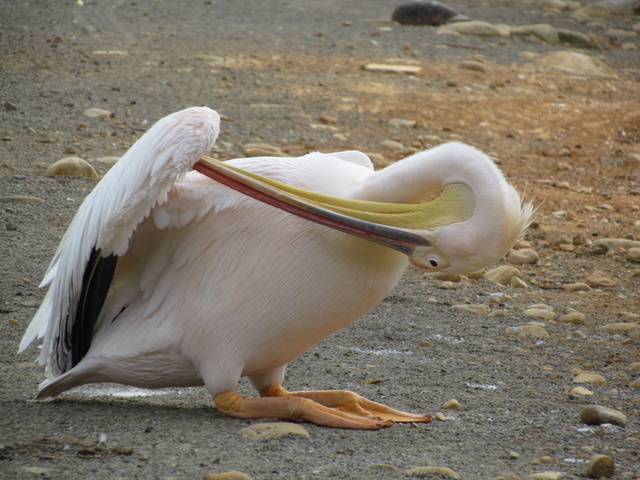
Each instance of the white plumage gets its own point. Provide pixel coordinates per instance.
(182, 281)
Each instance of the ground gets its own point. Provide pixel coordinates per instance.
(291, 74)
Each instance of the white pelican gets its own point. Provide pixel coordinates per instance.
(167, 278)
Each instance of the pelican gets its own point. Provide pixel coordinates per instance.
(169, 277)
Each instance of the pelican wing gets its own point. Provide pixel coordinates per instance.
(82, 268)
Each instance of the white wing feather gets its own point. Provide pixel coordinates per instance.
(106, 220)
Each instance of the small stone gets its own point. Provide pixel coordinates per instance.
(97, 113)
(635, 383)
(452, 404)
(432, 472)
(503, 274)
(517, 283)
(441, 417)
(576, 287)
(633, 254)
(574, 318)
(600, 279)
(393, 145)
(262, 150)
(9, 106)
(273, 429)
(546, 476)
(381, 67)
(472, 65)
(533, 331)
(541, 313)
(419, 12)
(590, 378)
(574, 37)
(543, 31)
(476, 27)
(575, 63)
(230, 475)
(634, 367)
(402, 123)
(557, 237)
(580, 391)
(600, 466)
(73, 167)
(523, 256)
(477, 309)
(327, 119)
(597, 415)
(623, 327)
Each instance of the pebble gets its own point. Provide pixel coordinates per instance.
(382, 67)
(590, 378)
(230, 475)
(575, 38)
(543, 31)
(517, 283)
(73, 167)
(472, 65)
(600, 466)
(10, 106)
(503, 274)
(523, 256)
(575, 63)
(615, 243)
(533, 331)
(273, 429)
(432, 472)
(600, 279)
(634, 254)
(97, 113)
(634, 367)
(580, 391)
(546, 475)
(440, 417)
(541, 313)
(623, 327)
(574, 318)
(393, 145)
(419, 12)
(597, 415)
(635, 383)
(262, 150)
(576, 287)
(452, 404)
(477, 309)
(557, 237)
(476, 27)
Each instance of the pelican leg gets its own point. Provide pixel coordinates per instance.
(294, 408)
(348, 402)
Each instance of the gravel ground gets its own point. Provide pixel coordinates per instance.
(291, 74)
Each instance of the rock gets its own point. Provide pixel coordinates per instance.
(97, 113)
(576, 287)
(476, 27)
(523, 256)
(541, 313)
(580, 391)
(558, 237)
(419, 12)
(472, 65)
(393, 145)
(440, 417)
(273, 429)
(503, 274)
(634, 254)
(262, 150)
(597, 415)
(575, 63)
(600, 279)
(623, 327)
(634, 367)
(575, 38)
(600, 466)
(452, 404)
(402, 123)
(230, 475)
(517, 283)
(615, 243)
(381, 67)
(432, 472)
(533, 331)
(546, 476)
(574, 318)
(543, 31)
(635, 383)
(477, 309)
(590, 378)
(73, 167)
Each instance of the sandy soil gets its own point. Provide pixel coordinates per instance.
(291, 74)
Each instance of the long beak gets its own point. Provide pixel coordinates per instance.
(403, 227)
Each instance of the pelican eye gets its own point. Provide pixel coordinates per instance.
(433, 263)
(429, 258)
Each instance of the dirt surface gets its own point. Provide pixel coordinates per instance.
(290, 73)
